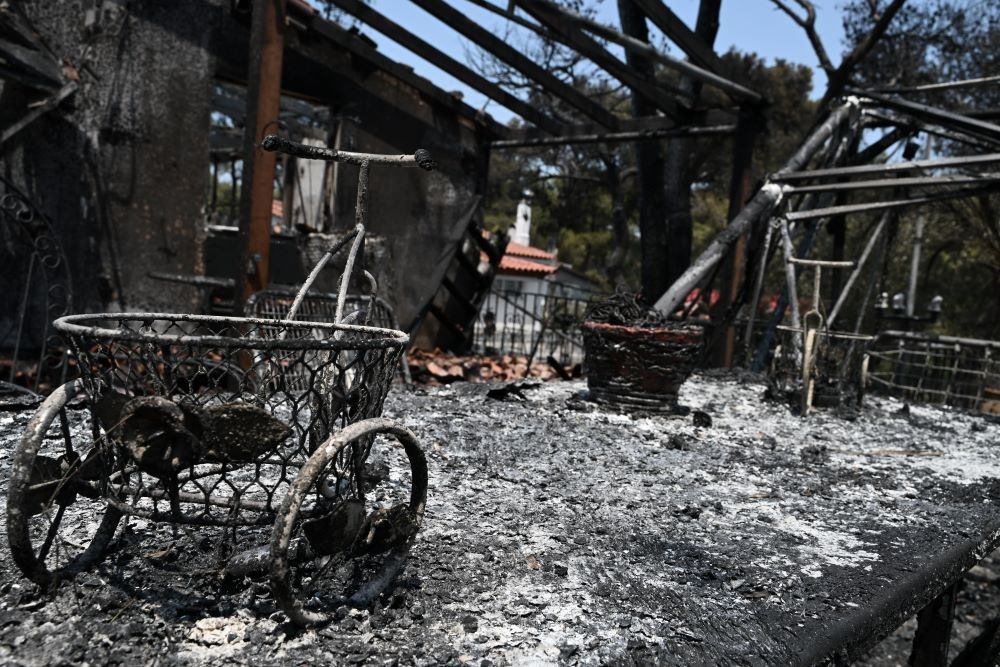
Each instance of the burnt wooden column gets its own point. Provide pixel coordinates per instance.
(740, 188)
(263, 97)
(650, 168)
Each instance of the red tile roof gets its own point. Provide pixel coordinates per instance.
(510, 265)
(519, 250)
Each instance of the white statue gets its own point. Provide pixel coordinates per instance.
(522, 223)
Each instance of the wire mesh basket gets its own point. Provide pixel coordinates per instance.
(207, 418)
(263, 428)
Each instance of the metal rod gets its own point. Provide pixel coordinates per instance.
(883, 205)
(948, 118)
(912, 165)
(789, 252)
(611, 137)
(823, 263)
(917, 181)
(842, 299)
(757, 286)
(420, 158)
(947, 85)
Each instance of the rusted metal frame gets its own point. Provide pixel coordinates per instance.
(497, 47)
(912, 165)
(438, 58)
(616, 137)
(673, 27)
(825, 212)
(883, 183)
(865, 254)
(734, 90)
(572, 36)
(935, 114)
(362, 49)
(760, 205)
(263, 104)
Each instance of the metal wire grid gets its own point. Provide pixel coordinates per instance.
(949, 371)
(838, 366)
(322, 307)
(313, 377)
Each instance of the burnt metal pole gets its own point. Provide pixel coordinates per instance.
(263, 97)
(759, 206)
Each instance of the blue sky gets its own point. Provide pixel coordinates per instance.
(751, 25)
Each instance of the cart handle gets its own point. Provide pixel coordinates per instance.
(421, 157)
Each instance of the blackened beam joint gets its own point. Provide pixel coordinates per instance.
(759, 206)
(421, 157)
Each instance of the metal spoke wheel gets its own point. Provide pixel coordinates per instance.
(345, 526)
(58, 521)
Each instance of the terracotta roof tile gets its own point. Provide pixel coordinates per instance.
(519, 250)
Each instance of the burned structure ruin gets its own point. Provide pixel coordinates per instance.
(208, 455)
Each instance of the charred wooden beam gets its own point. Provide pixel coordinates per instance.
(655, 123)
(497, 47)
(570, 34)
(616, 137)
(673, 27)
(267, 43)
(438, 58)
(362, 49)
(735, 90)
(760, 205)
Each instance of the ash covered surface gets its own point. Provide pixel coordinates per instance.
(559, 533)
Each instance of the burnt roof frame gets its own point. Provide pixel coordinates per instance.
(503, 51)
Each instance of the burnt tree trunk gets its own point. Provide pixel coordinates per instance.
(650, 165)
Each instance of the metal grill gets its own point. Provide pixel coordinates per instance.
(961, 372)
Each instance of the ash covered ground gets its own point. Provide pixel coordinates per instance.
(560, 533)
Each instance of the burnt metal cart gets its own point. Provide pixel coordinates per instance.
(259, 435)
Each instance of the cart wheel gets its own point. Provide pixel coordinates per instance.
(57, 522)
(332, 527)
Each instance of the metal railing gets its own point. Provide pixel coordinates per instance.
(961, 372)
(534, 325)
